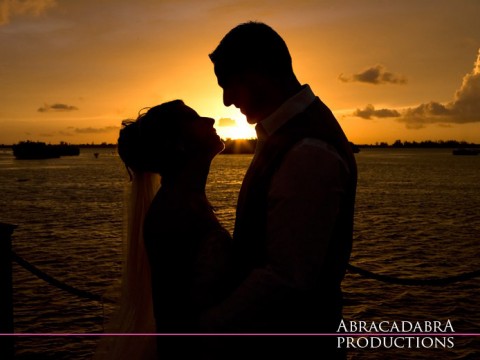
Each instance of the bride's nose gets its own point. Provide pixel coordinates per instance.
(209, 120)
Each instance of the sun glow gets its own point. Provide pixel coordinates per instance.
(238, 129)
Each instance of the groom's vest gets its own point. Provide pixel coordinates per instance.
(250, 246)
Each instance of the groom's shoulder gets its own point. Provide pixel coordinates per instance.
(312, 155)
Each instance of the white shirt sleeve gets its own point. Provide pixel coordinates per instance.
(304, 201)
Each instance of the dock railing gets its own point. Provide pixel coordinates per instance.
(8, 256)
(6, 290)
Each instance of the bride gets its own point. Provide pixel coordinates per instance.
(177, 252)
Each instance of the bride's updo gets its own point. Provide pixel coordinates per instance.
(153, 142)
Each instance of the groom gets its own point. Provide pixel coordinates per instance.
(294, 223)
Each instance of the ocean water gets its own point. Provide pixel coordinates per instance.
(417, 216)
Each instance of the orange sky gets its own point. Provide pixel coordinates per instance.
(72, 70)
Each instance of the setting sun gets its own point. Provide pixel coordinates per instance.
(408, 91)
(235, 129)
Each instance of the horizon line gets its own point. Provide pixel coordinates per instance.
(376, 143)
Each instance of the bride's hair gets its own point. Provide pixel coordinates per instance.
(152, 143)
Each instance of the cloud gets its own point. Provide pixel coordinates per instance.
(71, 131)
(464, 108)
(13, 8)
(90, 130)
(370, 112)
(57, 107)
(226, 122)
(375, 75)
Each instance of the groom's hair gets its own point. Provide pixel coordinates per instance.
(252, 46)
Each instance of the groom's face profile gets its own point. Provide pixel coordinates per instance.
(244, 91)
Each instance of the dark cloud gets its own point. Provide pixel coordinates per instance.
(90, 130)
(464, 108)
(12, 8)
(226, 122)
(370, 112)
(430, 109)
(375, 75)
(57, 107)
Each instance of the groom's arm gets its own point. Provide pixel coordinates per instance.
(303, 202)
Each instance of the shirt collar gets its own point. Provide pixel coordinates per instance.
(293, 106)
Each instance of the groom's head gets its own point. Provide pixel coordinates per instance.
(252, 63)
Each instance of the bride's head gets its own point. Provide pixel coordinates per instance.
(167, 137)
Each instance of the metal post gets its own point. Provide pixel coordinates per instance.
(6, 290)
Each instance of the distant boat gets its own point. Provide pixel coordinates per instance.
(67, 150)
(34, 150)
(464, 151)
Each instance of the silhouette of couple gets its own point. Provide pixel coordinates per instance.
(281, 271)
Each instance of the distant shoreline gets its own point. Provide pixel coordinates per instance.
(247, 146)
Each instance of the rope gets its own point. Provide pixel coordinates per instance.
(402, 281)
(351, 268)
(57, 283)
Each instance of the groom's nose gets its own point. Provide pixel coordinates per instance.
(227, 97)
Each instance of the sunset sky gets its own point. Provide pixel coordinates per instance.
(73, 70)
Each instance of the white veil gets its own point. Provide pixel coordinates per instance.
(135, 309)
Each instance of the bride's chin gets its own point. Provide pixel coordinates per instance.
(217, 143)
(217, 148)
(221, 147)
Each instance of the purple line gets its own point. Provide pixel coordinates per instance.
(241, 334)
